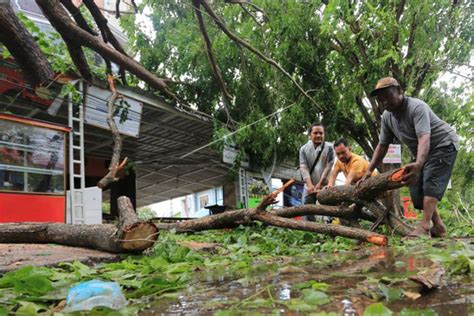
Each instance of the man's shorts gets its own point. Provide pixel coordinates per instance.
(434, 176)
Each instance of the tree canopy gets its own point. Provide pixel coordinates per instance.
(270, 68)
(335, 50)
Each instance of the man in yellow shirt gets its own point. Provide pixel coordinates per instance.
(353, 166)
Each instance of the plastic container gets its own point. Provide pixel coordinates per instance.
(87, 295)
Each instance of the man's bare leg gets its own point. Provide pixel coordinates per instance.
(438, 229)
(429, 209)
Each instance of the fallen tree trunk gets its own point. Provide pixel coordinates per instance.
(131, 235)
(368, 190)
(245, 216)
(365, 194)
(134, 235)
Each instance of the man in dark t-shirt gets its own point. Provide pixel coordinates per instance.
(431, 141)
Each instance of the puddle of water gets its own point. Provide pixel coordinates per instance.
(346, 274)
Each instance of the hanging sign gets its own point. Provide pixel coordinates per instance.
(394, 154)
(127, 118)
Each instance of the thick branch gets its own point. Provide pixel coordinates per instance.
(370, 123)
(367, 190)
(79, 59)
(23, 47)
(107, 34)
(69, 30)
(77, 16)
(331, 230)
(132, 235)
(212, 61)
(268, 60)
(115, 165)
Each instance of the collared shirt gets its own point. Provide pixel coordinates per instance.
(414, 120)
(308, 154)
(356, 164)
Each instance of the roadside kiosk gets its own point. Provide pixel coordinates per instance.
(32, 170)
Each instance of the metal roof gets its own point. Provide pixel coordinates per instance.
(166, 134)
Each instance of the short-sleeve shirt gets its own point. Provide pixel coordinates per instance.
(356, 164)
(414, 120)
(308, 154)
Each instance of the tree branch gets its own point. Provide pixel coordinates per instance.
(268, 60)
(370, 123)
(77, 16)
(212, 61)
(107, 34)
(115, 165)
(55, 13)
(79, 59)
(19, 42)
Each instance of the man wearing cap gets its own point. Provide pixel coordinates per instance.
(432, 141)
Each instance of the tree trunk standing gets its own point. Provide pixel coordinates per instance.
(23, 47)
(125, 186)
(132, 235)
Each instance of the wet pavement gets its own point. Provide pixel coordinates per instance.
(15, 256)
(355, 280)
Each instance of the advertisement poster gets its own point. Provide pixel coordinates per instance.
(394, 154)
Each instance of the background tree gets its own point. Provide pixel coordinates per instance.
(335, 50)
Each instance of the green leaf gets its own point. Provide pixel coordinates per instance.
(460, 265)
(315, 285)
(34, 285)
(3, 311)
(314, 297)
(299, 305)
(377, 309)
(417, 312)
(390, 294)
(28, 308)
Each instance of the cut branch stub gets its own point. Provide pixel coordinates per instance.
(132, 234)
(135, 234)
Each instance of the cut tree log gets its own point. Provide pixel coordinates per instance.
(365, 194)
(246, 216)
(368, 190)
(132, 235)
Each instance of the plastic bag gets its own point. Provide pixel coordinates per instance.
(90, 294)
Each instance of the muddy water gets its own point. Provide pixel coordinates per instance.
(354, 279)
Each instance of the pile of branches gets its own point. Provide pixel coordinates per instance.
(135, 235)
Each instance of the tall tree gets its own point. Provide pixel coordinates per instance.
(334, 50)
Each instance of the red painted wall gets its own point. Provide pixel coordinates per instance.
(32, 208)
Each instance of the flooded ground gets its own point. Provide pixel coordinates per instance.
(344, 283)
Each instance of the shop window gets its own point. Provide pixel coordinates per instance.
(31, 158)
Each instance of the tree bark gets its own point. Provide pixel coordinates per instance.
(132, 235)
(367, 190)
(60, 20)
(245, 216)
(115, 165)
(22, 46)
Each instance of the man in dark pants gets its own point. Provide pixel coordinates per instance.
(432, 141)
(316, 160)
